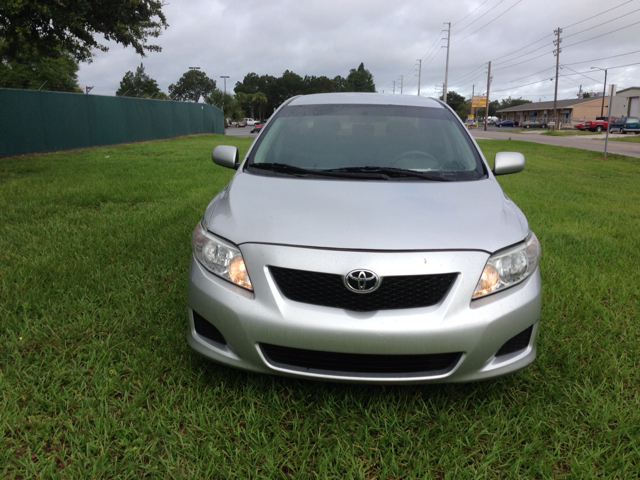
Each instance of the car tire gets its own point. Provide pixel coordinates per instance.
(599, 128)
(526, 126)
(623, 131)
(499, 126)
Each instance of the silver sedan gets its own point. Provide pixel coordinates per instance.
(364, 238)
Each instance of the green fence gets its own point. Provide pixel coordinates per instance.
(33, 121)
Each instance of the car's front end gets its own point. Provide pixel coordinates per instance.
(370, 273)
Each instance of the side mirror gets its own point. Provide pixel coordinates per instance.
(226, 156)
(508, 162)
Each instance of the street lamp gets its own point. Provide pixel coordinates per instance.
(604, 90)
(225, 82)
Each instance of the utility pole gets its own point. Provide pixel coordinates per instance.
(606, 140)
(401, 83)
(446, 70)
(419, 75)
(604, 90)
(486, 108)
(556, 52)
(394, 87)
(88, 89)
(473, 94)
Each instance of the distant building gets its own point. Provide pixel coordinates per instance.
(572, 110)
(626, 101)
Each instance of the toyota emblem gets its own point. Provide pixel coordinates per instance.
(362, 281)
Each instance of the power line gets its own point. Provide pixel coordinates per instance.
(520, 63)
(603, 23)
(472, 72)
(485, 13)
(485, 1)
(565, 75)
(529, 76)
(593, 80)
(608, 33)
(597, 15)
(489, 22)
(524, 54)
(605, 58)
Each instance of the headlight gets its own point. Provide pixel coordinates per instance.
(509, 267)
(220, 257)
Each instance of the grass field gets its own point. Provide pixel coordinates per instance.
(565, 133)
(628, 138)
(97, 381)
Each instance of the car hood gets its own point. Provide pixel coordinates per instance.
(366, 215)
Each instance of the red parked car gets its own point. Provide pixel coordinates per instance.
(600, 124)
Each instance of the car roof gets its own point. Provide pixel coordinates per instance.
(359, 98)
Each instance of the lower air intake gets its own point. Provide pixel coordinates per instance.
(206, 329)
(359, 365)
(517, 343)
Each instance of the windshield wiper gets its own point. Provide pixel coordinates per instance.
(394, 172)
(304, 172)
(282, 168)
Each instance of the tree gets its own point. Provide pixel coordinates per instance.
(48, 26)
(191, 86)
(261, 99)
(360, 80)
(138, 84)
(340, 84)
(512, 102)
(493, 108)
(454, 100)
(226, 102)
(57, 72)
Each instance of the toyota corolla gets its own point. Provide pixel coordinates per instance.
(364, 238)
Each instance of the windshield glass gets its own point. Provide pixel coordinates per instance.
(385, 138)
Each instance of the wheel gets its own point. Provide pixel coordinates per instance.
(599, 128)
(499, 126)
(526, 126)
(411, 157)
(623, 131)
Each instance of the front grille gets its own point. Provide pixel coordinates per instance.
(519, 342)
(328, 290)
(354, 364)
(206, 329)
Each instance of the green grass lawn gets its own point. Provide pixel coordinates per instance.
(97, 380)
(633, 138)
(563, 133)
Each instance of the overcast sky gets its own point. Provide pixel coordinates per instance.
(329, 37)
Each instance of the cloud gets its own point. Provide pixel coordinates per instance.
(330, 37)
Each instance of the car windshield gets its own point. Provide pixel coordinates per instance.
(367, 141)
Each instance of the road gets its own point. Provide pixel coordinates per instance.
(585, 142)
(240, 132)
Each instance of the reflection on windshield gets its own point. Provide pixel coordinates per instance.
(330, 137)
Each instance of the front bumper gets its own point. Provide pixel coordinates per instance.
(246, 320)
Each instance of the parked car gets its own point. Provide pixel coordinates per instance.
(241, 123)
(598, 125)
(625, 124)
(250, 121)
(507, 123)
(579, 125)
(533, 124)
(364, 238)
(257, 127)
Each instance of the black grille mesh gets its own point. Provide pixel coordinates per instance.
(352, 363)
(517, 343)
(328, 290)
